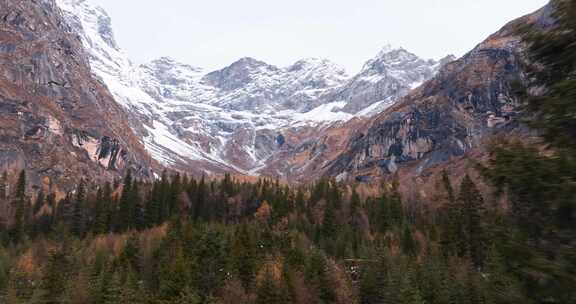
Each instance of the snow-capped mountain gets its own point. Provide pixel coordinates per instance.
(233, 119)
(384, 79)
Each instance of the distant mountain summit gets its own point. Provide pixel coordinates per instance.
(384, 79)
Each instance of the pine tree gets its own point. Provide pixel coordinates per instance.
(131, 292)
(409, 245)
(369, 290)
(175, 275)
(472, 202)
(99, 278)
(329, 221)
(354, 203)
(454, 237)
(228, 185)
(103, 220)
(39, 203)
(317, 276)
(55, 276)
(153, 208)
(174, 192)
(126, 208)
(199, 201)
(138, 213)
(502, 287)
(300, 201)
(447, 187)
(409, 292)
(244, 255)
(20, 207)
(79, 208)
(384, 214)
(113, 290)
(4, 186)
(130, 256)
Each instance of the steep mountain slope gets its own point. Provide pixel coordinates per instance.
(234, 119)
(56, 120)
(469, 101)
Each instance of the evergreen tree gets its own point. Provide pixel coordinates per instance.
(131, 292)
(354, 203)
(199, 201)
(244, 255)
(473, 205)
(329, 221)
(39, 203)
(4, 186)
(153, 208)
(317, 276)
(130, 255)
(453, 237)
(20, 207)
(113, 291)
(384, 216)
(409, 245)
(409, 292)
(174, 192)
(369, 289)
(174, 275)
(55, 277)
(79, 208)
(502, 287)
(127, 205)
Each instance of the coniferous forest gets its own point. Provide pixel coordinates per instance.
(180, 239)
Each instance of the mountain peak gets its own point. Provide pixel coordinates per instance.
(171, 63)
(93, 20)
(389, 48)
(249, 62)
(313, 63)
(390, 58)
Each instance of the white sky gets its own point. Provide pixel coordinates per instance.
(214, 33)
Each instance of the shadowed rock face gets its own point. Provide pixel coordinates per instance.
(468, 101)
(56, 120)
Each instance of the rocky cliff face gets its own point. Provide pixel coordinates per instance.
(56, 120)
(470, 100)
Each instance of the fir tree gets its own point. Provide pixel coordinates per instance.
(20, 207)
(409, 245)
(55, 277)
(245, 256)
(472, 202)
(78, 214)
(4, 186)
(126, 208)
(113, 291)
(131, 292)
(39, 203)
(329, 221)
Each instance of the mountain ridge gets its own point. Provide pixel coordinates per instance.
(229, 119)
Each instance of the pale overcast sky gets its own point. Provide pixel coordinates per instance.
(214, 33)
